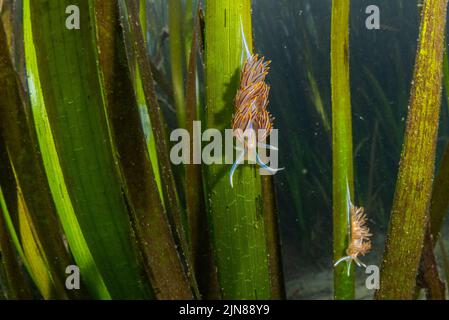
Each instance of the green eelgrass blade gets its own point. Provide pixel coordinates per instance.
(446, 77)
(74, 103)
(7, 19)
(177, 57)
(316, 99)
(37, 263)
(13, 209)
(16, 285)
(439, 203)
(135, 49)
(341, 144)
(199, 235)
(188, 27)
(143, 108)
(236, 214)
(27, 169)
(416, 171)
(162, 262)
(271, 216)
(428, 277)
(23, 235)
(145, 117)
(77, 243)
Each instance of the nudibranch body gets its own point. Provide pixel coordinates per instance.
(359, 236)
(252, 123)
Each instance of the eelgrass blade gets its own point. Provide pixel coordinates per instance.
(135, 47)
(235, 214)
(177, 57)
(316, 99)
(7, 19)
(271, 217)
(199, 235)
(439, 203)
(39, 214)
(14, 209)
(193, 177)
(143, 109)
(342, 156)
(12, 19)
(446, 77)
(16, 283)
(414, 184)
(162, 262)
(69, 221)
(188, 27)
(72, 93)
(21, 231)
(34, 253)
(428, 276)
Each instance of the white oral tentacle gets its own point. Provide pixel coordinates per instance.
(240, 158)
(346, 258)
(245, 44)
(267, 146)
(263, 165)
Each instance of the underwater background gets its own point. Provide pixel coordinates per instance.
(85, 171)
(380, 83)
(296, 36)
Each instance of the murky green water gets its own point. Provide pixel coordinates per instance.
(295, 35)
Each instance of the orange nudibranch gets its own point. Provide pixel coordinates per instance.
(359, 235)
(251, 100)
(252, 123)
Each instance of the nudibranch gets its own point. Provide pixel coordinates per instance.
(252, 123)
(359, 237)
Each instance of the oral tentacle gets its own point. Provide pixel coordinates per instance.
(346, 258)
(245, 44)
(263, 165)
(235, 165)
(267, 146)
(360, 263)
(349, 206)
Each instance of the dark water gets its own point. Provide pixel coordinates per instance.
(295, 35)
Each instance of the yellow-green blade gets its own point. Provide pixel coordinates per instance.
(74, 103)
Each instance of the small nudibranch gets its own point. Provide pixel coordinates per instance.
(252, 123)
(359, 238)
